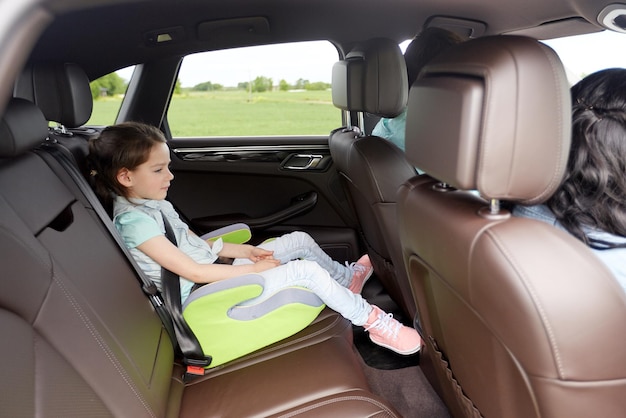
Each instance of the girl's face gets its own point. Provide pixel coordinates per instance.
(149, 180)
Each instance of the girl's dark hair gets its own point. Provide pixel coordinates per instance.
(424, 47)
(126, 145)
(593, 192)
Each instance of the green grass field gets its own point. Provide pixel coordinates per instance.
(238, 113)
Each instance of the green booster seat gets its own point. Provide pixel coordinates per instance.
(228, 323)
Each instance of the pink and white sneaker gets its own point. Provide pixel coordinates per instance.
(389, 333)
(361, 272)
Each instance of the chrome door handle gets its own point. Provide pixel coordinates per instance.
(303, 161)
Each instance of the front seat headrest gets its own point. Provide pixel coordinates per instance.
(61, 91)
(372, 78)
(494, 115)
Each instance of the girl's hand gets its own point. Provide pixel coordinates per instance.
(258, 254)
(265, 264)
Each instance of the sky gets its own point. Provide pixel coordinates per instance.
(581, 55)
(288, 62)
(585, 54)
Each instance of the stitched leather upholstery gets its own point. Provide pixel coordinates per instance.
(84, 339)
(372, 79)
(520, 318)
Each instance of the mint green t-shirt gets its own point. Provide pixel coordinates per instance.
(138, 220)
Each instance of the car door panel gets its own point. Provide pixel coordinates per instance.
(274, 184)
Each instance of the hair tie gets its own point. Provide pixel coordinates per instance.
(597, 112)
(585, 105)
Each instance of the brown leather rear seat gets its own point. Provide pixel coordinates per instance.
(82, 339)
(62, 93)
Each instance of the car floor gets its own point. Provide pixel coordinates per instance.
(395, 377)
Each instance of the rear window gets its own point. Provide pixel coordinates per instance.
(107, 93)
(256, 91)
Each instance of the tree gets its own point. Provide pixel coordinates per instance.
(301, 84)
(318, 85)
(108, 85)
(283, 85)
(178, 88)
(207, 86)
(261, 84)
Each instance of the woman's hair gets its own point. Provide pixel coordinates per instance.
(424, 47)
(126, 145)
(593, 192)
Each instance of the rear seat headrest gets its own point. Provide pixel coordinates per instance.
(61, 91)
(22, 128)
(372, 78)
(492, 114)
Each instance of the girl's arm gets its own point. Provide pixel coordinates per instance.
(231, 250)
(167, 255)
(248, 251)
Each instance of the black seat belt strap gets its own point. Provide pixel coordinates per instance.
(193, 356)
(58, 152)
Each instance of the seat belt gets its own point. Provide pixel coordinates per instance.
(183, 339)
(193, 356)
(59, 153)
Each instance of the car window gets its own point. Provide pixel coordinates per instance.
(581, 55)
(107, 93)
(256, 91)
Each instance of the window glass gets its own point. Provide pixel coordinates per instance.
(256, 91)
(585, 54)
(107, 93)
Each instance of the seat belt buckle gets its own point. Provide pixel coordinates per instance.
(195, 370)
(196, 366)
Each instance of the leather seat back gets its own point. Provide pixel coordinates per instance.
(520, 318)
(81, 335)
(373, 79)
(83, 339)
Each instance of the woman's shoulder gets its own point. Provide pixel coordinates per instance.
(538, 212)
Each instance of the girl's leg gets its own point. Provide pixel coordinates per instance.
(300, 245)
(310, 275)
(384, 330)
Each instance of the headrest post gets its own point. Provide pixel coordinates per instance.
(494, 212)
(61, 129)
(443, 187)
(360, 121)
(349, 123)
(494, 206)
(350, 126)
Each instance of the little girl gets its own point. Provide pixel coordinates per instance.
(130, 169)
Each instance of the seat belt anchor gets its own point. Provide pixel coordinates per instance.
(197, 366)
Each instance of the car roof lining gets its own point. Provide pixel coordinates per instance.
(560, 28)
(112, 34)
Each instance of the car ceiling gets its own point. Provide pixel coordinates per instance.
(105, 35)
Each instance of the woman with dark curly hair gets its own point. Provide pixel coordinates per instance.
(590, 203)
